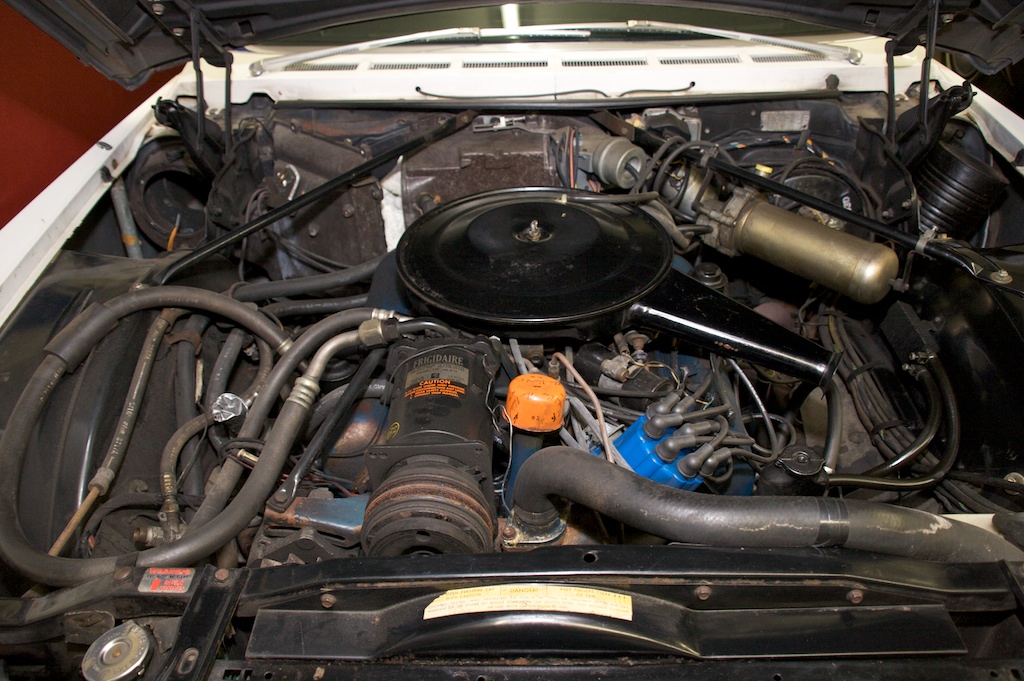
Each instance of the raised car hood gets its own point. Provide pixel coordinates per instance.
(127, 39)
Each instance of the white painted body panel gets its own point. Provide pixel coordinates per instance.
(404, 75)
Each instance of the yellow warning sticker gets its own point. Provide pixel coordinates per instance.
(541, 597)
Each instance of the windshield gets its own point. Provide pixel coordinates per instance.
(541, 14)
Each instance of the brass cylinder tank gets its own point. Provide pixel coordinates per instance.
(845, 263)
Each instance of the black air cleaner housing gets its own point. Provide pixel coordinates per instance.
(532, 258)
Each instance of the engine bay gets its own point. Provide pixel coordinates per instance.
(382, 333)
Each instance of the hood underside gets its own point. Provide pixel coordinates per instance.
(127, 41)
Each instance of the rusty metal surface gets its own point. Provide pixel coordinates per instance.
(341, 518)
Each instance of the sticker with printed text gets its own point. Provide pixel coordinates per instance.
(166, 580)
(539, 597)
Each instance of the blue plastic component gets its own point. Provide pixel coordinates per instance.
(681, 264)
(638, 450)
(524, 445)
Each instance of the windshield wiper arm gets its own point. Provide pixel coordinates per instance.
(828, 51)
(573, 31)
(280, 63)
(660, 28)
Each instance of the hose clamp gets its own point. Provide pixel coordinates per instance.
(926, 236)
(833, 522)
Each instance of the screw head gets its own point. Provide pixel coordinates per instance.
(158, 8)
(508, 532)
(855, 596)
(1001, 277)
(328, 601)
(222, 575)
(122, 573)
(702, 593)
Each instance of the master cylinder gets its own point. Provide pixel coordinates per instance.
(431, 477)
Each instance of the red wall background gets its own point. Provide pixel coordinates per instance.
(52, 109)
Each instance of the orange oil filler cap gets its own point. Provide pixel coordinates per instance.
(535, 403)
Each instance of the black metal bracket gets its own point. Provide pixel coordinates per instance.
(203, 625)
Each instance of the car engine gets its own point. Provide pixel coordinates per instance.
(384, 333)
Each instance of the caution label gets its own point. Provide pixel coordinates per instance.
(166, 580)
(539, 597)
(435, 386)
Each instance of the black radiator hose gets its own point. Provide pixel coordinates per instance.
(62, 354)
(713, 520)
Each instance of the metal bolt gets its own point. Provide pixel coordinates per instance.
(702, 593)
(122, 573)
(1015, 477)
(508, 532)
(348, 210)
(855, 596)
(947, 18)
(313, 230)
(158, 8)
(1001, 277)
(222, 575)
(188, 661)
(178, 31)
(328, 601)
(533, 232)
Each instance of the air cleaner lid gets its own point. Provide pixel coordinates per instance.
(533, 256)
